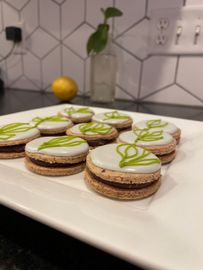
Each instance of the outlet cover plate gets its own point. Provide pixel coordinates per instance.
(172, 31)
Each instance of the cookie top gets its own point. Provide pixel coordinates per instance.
(92, 128)
(113, 117)
(58, 146)
(157, 124)
(126, 158)
(76, 113)
(142, 137)
(17, 131)
(51, 122)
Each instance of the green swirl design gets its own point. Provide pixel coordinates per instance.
(130, 156)
(64, 141)
(114, 115)
(97, 128)
(156, 124)
(55, 118)
(10, 130)
(147, 136)
(72, 110)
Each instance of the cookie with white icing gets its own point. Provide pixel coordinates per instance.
(95, 134)
(77, 115)
(120, 121)
(56, 156)
(158, 124)
(160, 143)
(52, 125)
(123, 171)
(13, 138)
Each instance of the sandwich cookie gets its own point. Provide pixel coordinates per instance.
(159, 124)
(123, 171)
(95, 134)
(13, 138)
(160, 143)
(56, 156)
(77, 115)
(120, 121)
(52, 125)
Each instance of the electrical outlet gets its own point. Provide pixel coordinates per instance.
(20, 47)
(176, 31)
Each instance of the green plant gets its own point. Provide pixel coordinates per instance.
(98, 39)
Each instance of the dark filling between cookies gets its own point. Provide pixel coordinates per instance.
(54, 165)
(99, 142)
(44, 134)
(119, 185)
(12, 148)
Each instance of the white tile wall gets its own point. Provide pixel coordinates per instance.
(56, 32)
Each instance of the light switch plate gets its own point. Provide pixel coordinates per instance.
(176, 31)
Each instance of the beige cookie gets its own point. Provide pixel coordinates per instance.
(13, 138)
(162, 144)
(104, 175)
(77, 114)
(56, 156)
(118, 120)
(95, 134)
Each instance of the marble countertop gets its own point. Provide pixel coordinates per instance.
(27, 244)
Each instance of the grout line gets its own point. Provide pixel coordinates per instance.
(157, 91)
(177, 68)
(140, 80)
(67, 47)
(126, 92)
(75, 29)
(129, 28)
(60, 35)
(187, 91)
(146, 7)
(126, 50)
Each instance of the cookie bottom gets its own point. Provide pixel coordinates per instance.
(10, 155)
(49, 171)
(120, 193)
(167, 158)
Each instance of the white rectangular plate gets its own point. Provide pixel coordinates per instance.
(161, 232)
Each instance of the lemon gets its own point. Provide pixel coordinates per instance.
(64, 88)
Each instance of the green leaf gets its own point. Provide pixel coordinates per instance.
(98, 40)
(111, 12)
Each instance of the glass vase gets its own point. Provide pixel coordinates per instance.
(103, 75)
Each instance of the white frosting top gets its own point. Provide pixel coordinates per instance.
(49, 124)
(58, 150)
(19, 135)
(107, 157)
(103, 118)
(76, 129)
(77, 114)
(169, 128)
(130, 137)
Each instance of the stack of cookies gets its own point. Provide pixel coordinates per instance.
(121, 161)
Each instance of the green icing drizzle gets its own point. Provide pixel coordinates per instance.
(156, 124)
(114, 115)
(147, 136)
(130, 156)
(55, 118)
(97, 128)
(64, 141)
(10, 130)
(72, 110)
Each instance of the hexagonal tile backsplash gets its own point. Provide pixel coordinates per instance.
(55, 35)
